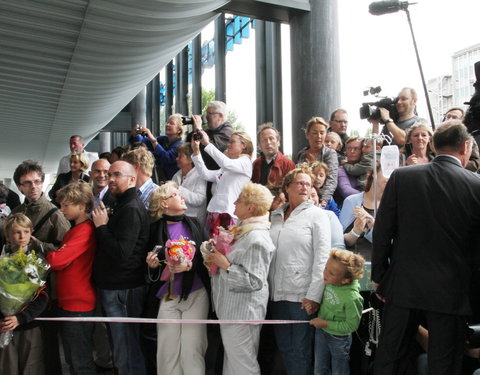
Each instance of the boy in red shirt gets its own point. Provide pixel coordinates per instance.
(72, 264)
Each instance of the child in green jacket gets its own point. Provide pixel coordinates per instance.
(340, 312)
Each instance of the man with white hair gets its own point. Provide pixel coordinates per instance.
(219, 129)
(77, 144)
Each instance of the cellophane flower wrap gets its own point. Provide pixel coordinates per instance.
(180, 251)
(223, 243)
(21, 275)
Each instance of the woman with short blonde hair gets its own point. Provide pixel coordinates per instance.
(184, 295)
(239, 286)
(79, 163)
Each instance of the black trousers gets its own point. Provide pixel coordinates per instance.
(446, 341)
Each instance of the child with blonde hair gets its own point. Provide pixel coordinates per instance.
(340, 312)
(24, 354)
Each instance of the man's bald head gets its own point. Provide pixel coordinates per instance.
(121, 177)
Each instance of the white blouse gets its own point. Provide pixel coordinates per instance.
(230, 178)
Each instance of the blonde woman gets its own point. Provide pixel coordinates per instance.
(79, 164)
(235, 171)
(316, 132)
(164, 147)
(240, 287)
(418, 147)
(180, 347)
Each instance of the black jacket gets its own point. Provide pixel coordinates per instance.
(121, 245)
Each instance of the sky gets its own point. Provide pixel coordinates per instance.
(374, 51)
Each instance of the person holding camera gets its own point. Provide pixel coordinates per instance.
(164, 147)
(218, 130)
(234, 172)
(405, 106)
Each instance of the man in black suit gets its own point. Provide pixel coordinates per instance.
(424, 252)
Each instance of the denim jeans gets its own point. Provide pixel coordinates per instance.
(295, 341)
(77, 338)
(332, 353)
(127, 353)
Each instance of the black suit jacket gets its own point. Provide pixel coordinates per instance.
(426, 237)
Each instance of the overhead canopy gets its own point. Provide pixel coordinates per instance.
(68, 67)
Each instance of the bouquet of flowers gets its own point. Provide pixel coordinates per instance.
(21, 275)
(178, 252)
(223, 243)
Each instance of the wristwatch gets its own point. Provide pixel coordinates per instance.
(389, 120)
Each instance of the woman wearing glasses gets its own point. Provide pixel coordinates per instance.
(235, 171)
(180, 347)
(301, 233)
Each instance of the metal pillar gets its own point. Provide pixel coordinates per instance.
(155, 105)
(169, 90)
(197, 75)
(268, 60)
(181, 102)
(314, 65)
(220, 54)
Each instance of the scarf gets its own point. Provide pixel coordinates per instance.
(246, 225)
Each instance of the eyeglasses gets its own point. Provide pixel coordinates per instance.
(31, 183)
(172, 195)
(233, 141)
(341, 121)
(117, 175)
(354, 148)
(212, 113)
(301, 183)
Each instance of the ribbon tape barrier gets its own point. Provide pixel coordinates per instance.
(178, 321)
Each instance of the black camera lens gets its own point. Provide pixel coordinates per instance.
(187, 120)
(196, 136)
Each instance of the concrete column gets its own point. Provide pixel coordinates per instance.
(314, 65)
(105, 142)
(138, 108)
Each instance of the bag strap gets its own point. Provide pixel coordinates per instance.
(44, 219)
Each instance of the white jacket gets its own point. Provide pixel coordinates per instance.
(194, 190)
(303, 245)
(230, 178)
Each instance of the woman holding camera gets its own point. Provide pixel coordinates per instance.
(164, 147)
(180, 347)
(235, 171)
(357, 215)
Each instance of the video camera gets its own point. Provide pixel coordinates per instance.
(370, 110)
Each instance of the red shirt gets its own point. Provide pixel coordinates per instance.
(72, 264)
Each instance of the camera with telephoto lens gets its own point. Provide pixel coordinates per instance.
(188, 120)
(371, 111)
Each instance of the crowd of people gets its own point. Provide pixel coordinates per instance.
(219, 235)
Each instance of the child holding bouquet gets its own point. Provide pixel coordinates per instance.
(72, 264)
(340, 312)
(24, 354)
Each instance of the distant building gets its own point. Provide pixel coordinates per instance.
(440, 92)
(463, 73)
(453, 90)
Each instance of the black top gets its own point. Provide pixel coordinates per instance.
(121, 245)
